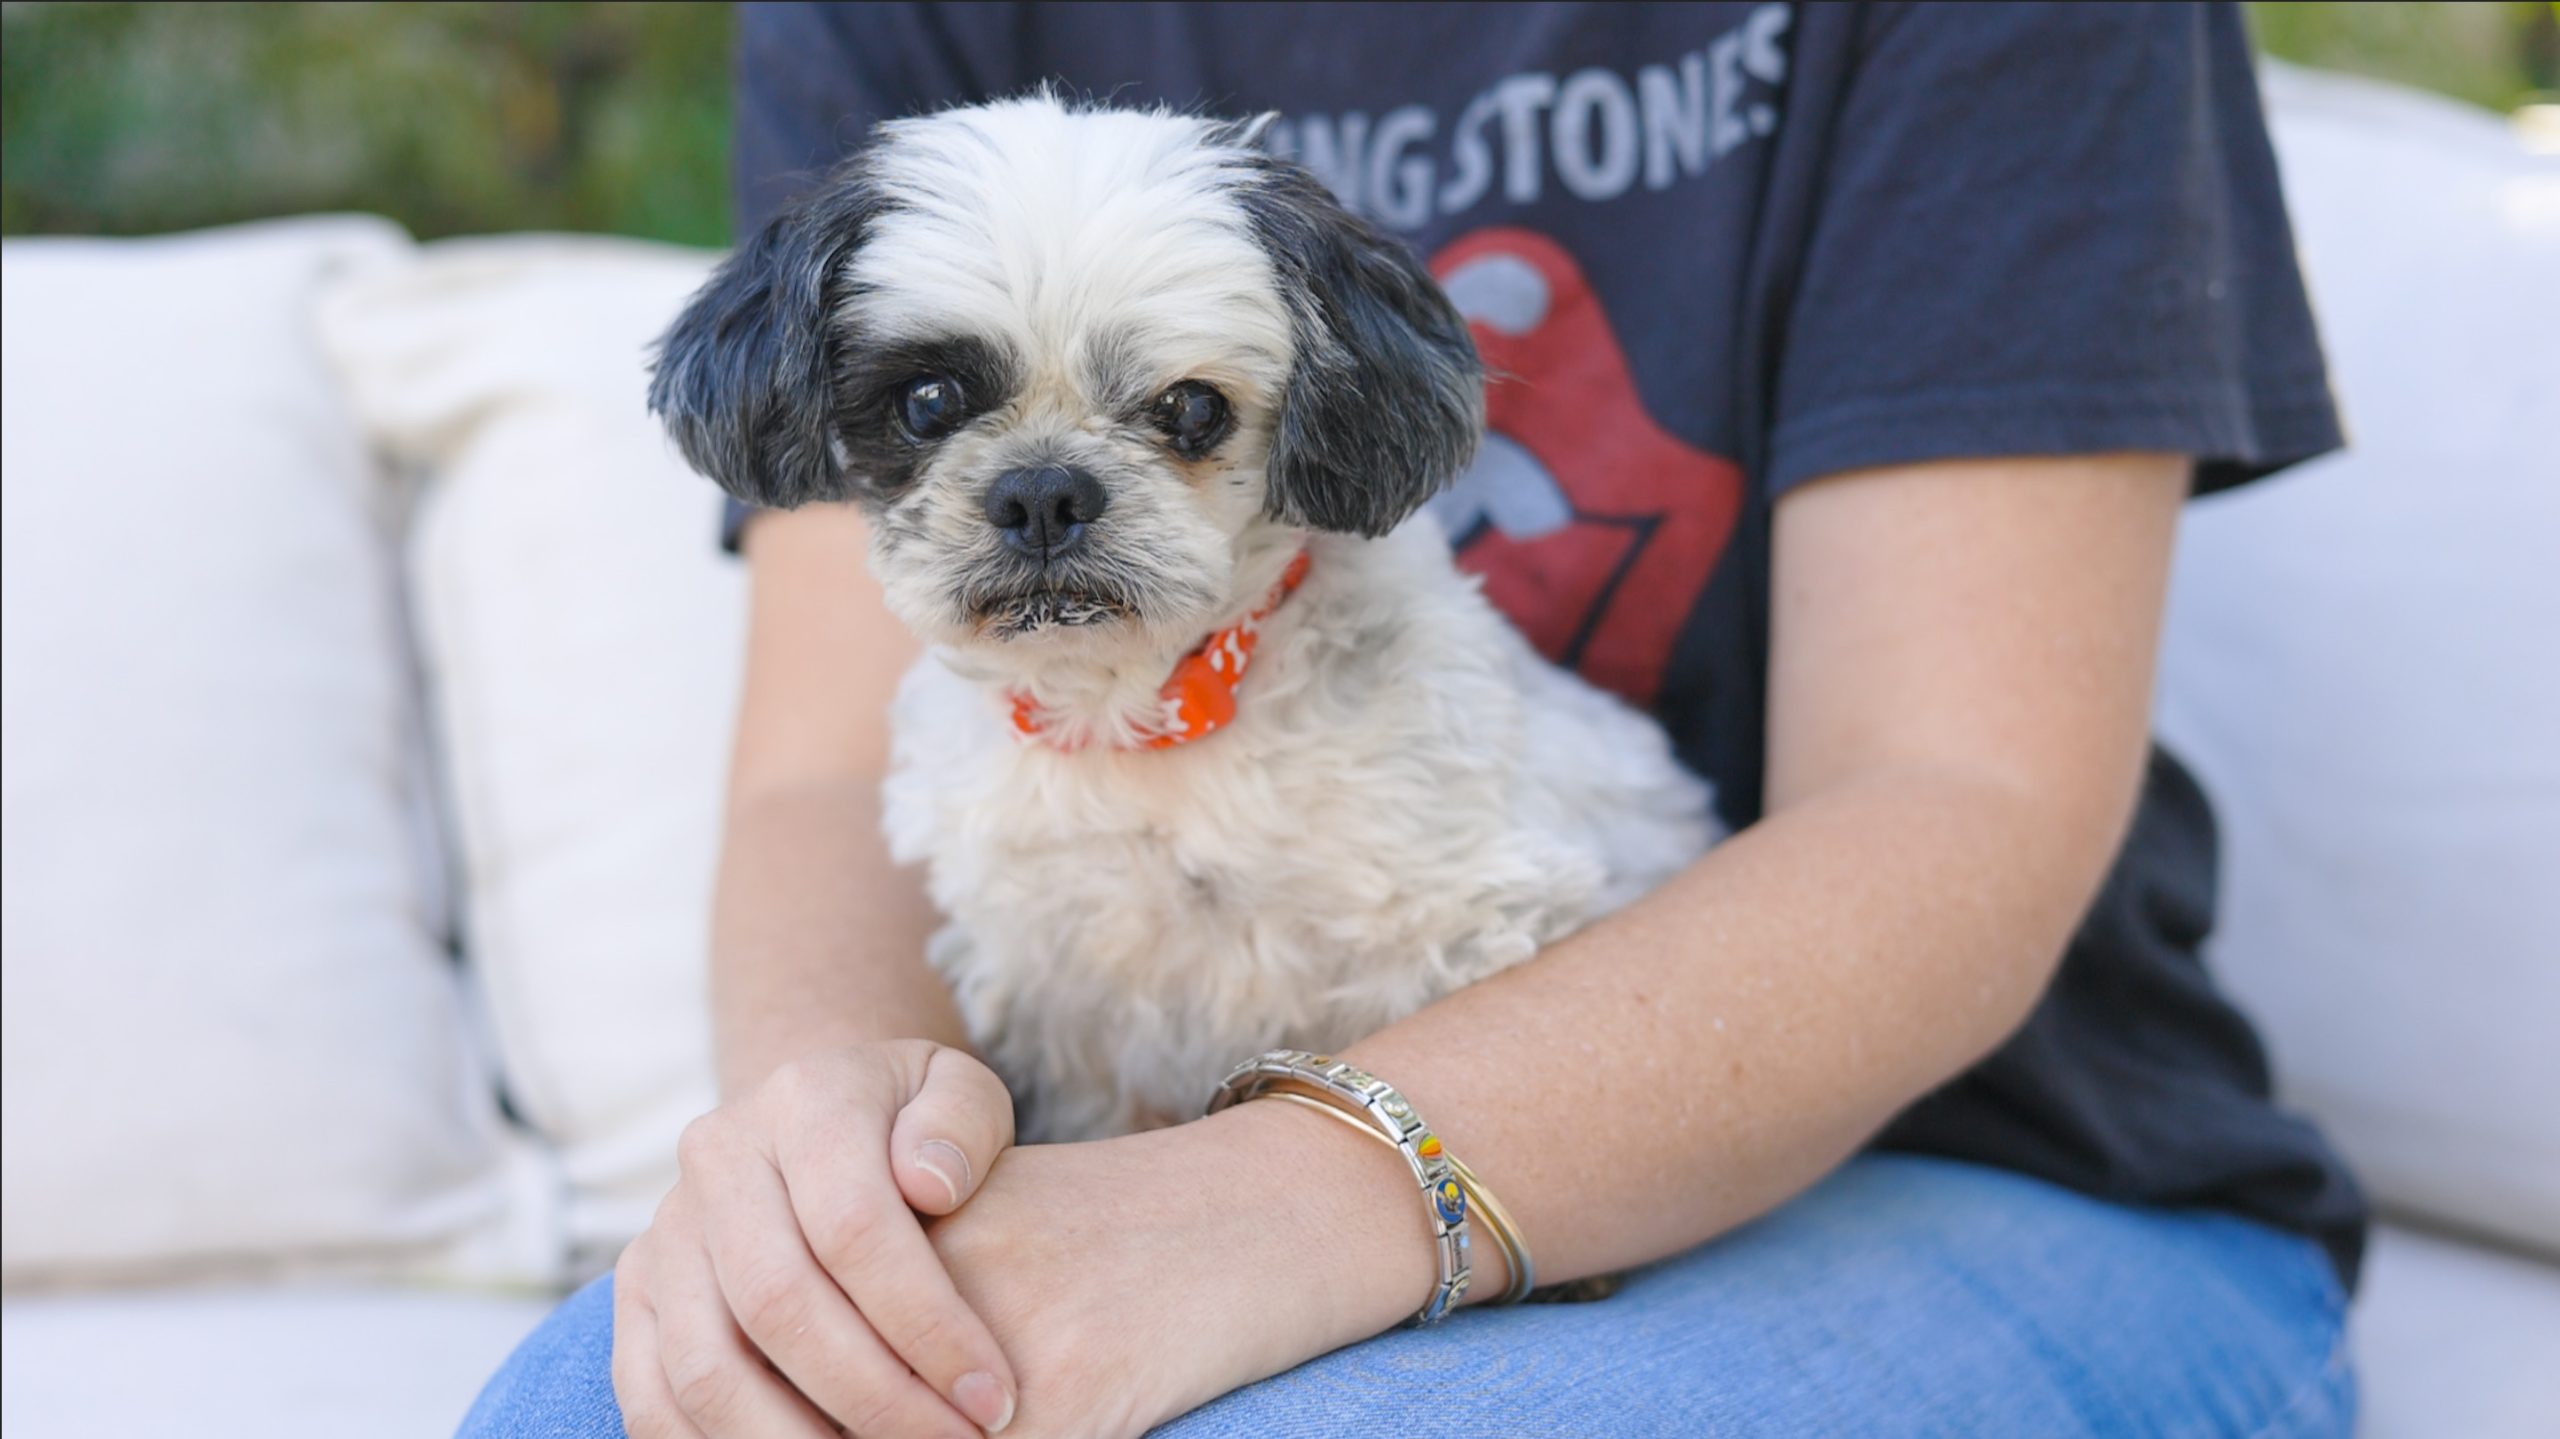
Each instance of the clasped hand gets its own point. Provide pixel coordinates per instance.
(857, 1248)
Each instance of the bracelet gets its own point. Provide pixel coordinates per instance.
(1506, 1230)
(1375, 1104)
(1506, 1235)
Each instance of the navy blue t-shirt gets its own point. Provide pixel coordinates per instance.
(1711, 252)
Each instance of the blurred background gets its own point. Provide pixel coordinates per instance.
(472, 118)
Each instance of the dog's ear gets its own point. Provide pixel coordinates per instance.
(744, 379)
(1386, 399)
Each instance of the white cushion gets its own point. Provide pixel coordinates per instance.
(582, 639)
(2360, 665)
(253, 1364)
(2451, 1338)
(233, 1035)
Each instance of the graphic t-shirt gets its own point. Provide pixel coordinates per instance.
(1710, 252)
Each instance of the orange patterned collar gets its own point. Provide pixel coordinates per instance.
(1200, 698)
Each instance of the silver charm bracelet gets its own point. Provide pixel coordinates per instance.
(1362, 1095)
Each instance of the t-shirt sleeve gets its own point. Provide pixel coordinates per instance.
(2049, 229)
(813, 79)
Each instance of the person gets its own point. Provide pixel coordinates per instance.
(1852, 364)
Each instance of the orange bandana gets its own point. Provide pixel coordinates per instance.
(1200, 698)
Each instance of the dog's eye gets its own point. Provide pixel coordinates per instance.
(931, 406)
(1193, 416)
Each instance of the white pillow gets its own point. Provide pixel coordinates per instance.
(233, 1034)
(583, 638)
(2361, 664)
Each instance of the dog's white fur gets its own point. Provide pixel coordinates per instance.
(1409, 799)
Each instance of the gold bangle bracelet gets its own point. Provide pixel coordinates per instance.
(1506, 1235)
(1506, 1232)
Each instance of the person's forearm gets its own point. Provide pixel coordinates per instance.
(818, 940)
(1960, 667)
(1693, 1061)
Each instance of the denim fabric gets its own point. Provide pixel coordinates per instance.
(1902, 1297)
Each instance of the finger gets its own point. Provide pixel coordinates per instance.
(719, 1382)
(796, 1315)
(948, 1136)
(861, 1231)
(640, 1387)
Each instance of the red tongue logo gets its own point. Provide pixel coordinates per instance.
(1594, 530)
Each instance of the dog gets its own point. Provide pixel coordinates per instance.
(1213, 748)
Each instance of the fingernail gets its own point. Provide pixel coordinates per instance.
(943, 1160)
(983, 1400)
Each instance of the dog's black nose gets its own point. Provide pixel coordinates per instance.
(1042, 512)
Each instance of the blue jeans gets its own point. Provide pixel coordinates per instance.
(1902, 1296)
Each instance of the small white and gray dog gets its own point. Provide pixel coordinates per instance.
(1099, 379)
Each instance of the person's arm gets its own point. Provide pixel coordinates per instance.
(1960, 694)
(786, 1285)
(1959, 710)
(818, 940)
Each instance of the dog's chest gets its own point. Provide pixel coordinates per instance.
(1229, 871)
(1124, 926)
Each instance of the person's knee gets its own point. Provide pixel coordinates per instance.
(559, 1381)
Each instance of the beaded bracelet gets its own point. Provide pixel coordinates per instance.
(1364, 1096)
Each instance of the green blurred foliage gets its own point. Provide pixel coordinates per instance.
(467, 117)
(449, 117)
(2494, 55)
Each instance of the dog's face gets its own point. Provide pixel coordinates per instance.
(1074, 365)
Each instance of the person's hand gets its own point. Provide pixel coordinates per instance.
(793, 1239)
(1135, 1279)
